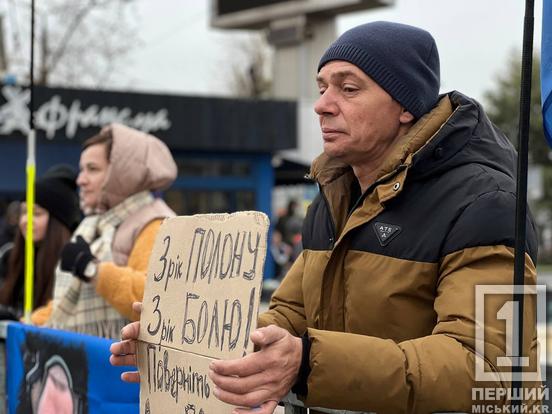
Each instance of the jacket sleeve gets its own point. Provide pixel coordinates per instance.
(121, 286)
(286, 308)
(41, 314)
(435, 373)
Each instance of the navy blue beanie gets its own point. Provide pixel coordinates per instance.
(402, 59)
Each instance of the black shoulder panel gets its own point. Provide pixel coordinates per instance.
(318, 232)
(489, 220)
(423, 221)
(468, 206)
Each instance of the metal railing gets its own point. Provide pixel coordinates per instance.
(292, 405)
(3, 395)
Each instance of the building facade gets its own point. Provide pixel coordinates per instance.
(223, 147)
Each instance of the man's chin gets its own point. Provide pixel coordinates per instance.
(333, 152)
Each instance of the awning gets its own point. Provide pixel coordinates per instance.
(290, 172)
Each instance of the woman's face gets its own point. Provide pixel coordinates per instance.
(93, 172)
(40, 222)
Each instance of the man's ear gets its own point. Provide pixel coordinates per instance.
(406, 117)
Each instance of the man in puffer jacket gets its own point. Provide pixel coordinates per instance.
(416, 209)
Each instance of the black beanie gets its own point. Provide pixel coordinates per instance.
(56, 191)
(402, 59)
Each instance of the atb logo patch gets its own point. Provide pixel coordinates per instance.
(386, 232)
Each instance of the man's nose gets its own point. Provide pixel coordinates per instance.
(326, 104)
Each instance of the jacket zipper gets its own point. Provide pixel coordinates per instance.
(322, 316)
(359, 200)
(332, 221)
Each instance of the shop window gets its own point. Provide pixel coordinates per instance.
(198, 167)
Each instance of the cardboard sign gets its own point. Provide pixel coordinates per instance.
(201, 303)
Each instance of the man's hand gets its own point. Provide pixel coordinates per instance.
(261, 379)
(123, 353)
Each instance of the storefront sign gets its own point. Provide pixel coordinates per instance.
(67, 117)
(182, 122)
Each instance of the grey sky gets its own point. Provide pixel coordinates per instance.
(181, 54)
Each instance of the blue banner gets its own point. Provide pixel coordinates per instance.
(67, 373)
(546, 70)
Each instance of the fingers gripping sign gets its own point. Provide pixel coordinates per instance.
(123, 353)
(259, 380)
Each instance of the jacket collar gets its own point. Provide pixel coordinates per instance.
(467, 137)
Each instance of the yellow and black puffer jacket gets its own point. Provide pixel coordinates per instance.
(386, 290)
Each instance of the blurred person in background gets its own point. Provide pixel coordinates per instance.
(56, 215)
(290, 223)
(281, 253)
(103, 269)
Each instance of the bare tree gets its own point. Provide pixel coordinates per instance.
(250, 67)
(77, 43)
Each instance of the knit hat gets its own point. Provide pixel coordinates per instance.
(402, 59)
(56, 191)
